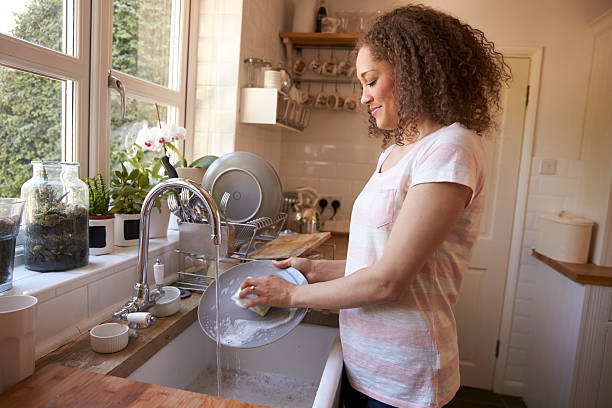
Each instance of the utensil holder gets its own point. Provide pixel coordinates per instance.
(237, 241)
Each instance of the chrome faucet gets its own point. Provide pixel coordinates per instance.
(143, 297)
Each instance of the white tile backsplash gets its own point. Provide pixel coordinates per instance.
(60, 313)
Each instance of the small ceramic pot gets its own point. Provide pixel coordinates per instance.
(127, 229)
(101, 234)
(169, 303)
(158, 223)
(109, 337)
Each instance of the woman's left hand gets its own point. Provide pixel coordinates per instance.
(270, 290)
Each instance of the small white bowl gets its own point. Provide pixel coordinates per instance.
(109, 337)
(169, 303)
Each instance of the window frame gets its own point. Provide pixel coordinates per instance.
(101, 66)
(86, 96)
(25, 56)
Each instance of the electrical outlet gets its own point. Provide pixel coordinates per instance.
(328, 211)
(548, 166)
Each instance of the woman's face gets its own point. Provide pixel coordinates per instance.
(376, 78)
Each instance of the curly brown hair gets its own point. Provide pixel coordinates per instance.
(443, 69)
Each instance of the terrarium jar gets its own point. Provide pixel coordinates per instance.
(55, 219)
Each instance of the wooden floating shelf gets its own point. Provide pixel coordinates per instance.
(321, 39)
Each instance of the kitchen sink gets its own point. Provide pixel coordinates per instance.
(302, 369)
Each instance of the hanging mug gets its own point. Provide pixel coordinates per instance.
(351, 104)
(330, 24)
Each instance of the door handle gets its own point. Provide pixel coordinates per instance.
(117, 85)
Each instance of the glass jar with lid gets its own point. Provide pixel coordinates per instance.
(55, 219)
(253, 72)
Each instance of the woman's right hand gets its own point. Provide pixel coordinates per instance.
(304, 265)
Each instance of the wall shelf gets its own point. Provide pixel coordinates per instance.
(262, 106)
(346, 40)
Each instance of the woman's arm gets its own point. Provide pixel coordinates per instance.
(428, 214)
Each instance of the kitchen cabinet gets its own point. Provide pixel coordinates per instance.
(569, 363)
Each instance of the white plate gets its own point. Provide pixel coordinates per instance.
(255, 188)
(242, 328)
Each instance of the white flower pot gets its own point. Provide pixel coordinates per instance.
(192, 173)
(158, 225)
(127, 229)
(101, 234)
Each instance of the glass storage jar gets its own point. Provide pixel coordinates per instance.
(10, 218)
(253, 72)
(55, 218)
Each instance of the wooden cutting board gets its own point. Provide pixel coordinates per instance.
(290, 245)
(59, 386)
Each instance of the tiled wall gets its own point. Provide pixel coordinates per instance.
(334, 155)
(217, 77)
(261, 22)
(68, 309)
(547, 194)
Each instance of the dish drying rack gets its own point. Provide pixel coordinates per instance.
(197, 253)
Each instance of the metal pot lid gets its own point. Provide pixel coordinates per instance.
(245, 194)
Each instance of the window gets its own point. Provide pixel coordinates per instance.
(55, 59)
(51, 109)
(44, 86)
(148, 41)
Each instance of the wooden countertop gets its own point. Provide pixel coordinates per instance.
(59, 386)
(587, 274)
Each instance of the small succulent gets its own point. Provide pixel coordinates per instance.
(99, 196)
(128, 190)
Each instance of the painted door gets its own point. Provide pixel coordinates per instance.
(478, 309)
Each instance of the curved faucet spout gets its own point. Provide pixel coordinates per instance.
(143, 297)
(145, 215)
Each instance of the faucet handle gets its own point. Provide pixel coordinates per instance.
(158, 273)
(140, 320)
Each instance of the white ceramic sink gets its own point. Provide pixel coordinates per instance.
(303, 369)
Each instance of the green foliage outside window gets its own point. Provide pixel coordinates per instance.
(31, 105)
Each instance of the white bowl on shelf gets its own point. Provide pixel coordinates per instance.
(169, 303)
(109, 337)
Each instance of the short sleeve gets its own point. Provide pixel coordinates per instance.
(448, 160)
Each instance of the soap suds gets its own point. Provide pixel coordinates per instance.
(271, 389)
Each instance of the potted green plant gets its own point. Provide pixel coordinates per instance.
(101, 220)
(128, 191)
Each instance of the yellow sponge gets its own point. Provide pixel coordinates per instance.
(259, 309)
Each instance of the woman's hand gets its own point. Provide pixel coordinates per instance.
(270, 290)
(304, 265)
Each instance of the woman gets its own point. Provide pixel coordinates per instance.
(431, 85)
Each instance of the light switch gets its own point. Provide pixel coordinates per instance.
(548, 166)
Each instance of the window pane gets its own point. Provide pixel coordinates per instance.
(143, 42)
(28, 131)
(123, 133)
(38, 21)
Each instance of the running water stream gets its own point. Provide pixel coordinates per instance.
(218, 335)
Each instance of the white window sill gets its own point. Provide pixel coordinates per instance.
(46, 285)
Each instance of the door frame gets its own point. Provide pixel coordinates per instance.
(500, 385)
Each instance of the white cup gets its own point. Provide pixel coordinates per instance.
(272, 79)
(17, 333)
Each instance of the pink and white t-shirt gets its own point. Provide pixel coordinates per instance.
(405, 353)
